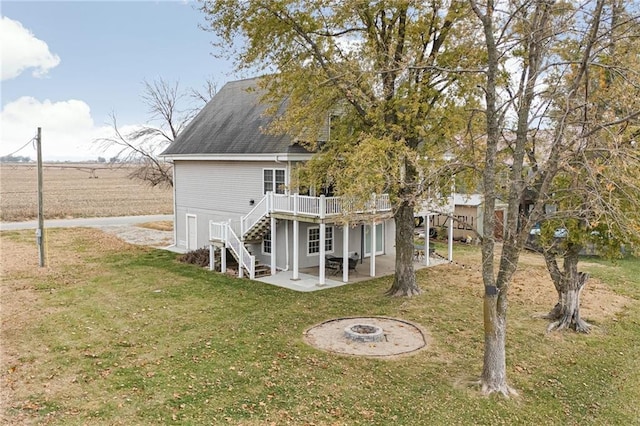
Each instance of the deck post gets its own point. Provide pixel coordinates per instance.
(450, 243)
(345, 253)
(223, 259)
(239, 249)
(212, 257)
(322, 206)
(322, 251)
(427, 230)
(453, 210)
(223, 250)
(273, 244)
(372, 263)
(296, 249)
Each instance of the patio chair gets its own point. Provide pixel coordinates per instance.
(335, 263)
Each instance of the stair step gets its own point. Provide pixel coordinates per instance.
(261, 270)
(261, 273)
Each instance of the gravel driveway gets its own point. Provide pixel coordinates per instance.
(125, 227)
(141, 236)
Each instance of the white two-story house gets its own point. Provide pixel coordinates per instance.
(232, 188)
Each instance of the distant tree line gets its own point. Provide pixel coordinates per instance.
(15, 159)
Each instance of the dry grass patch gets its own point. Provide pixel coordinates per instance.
(71, 192)
(27, 290)
(163, 225)
(532, 287)
(111, 333)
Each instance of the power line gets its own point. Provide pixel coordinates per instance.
(21, 148)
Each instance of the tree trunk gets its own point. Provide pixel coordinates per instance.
(404, 282)
(493, 377)
(494, 370)
(569, 284)
(569, 312)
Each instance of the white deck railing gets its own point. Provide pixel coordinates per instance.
(259, 211)
(224, 232)
(322, 207)
(297, 205)
(303, 205)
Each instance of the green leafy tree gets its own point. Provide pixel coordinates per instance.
(390, 76)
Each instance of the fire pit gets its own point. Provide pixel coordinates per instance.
(367, 336)
(364, 333)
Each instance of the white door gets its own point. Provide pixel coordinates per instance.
(379, 240)
(192, 232)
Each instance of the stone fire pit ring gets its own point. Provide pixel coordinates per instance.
(367, 336)
(364, 333)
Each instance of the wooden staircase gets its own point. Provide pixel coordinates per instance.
(258, 230)
(261, 270)
(255, 234)
(258, 223)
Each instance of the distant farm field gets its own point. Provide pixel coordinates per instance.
(77, 190)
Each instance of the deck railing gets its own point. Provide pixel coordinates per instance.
(224, 232)
(259, 211)
(303, 205)
(322, 206)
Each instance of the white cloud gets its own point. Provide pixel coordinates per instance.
(21, 50)
(68, 130)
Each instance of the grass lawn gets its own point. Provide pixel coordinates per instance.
(110, 333)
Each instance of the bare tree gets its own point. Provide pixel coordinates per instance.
(541, 55)
(596, 193)
(170, 109)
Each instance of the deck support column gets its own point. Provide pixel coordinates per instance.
(372, 263)
(273, 245)
(212, 257)
(322, 252)
(450, 242)
(427, 230)
(345, 253)
(223, 257)
(296, 249)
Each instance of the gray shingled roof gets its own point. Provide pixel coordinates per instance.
(232, 123)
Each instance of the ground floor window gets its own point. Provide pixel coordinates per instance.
(313, 240)
(266, 243)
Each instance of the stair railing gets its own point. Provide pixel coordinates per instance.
(260, 210)
(245, 259)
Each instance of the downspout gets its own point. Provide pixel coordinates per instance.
(175, 207)
(286, 245)
(362, 243)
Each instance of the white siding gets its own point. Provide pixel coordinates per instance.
(215, 190)
(219, 186)
(306, 260)
(219, 191)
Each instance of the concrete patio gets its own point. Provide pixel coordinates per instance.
(309, 277)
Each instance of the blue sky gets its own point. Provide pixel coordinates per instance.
(66, 66)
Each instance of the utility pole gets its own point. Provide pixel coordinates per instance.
(40, 230)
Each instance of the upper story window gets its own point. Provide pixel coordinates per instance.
(274, 180)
